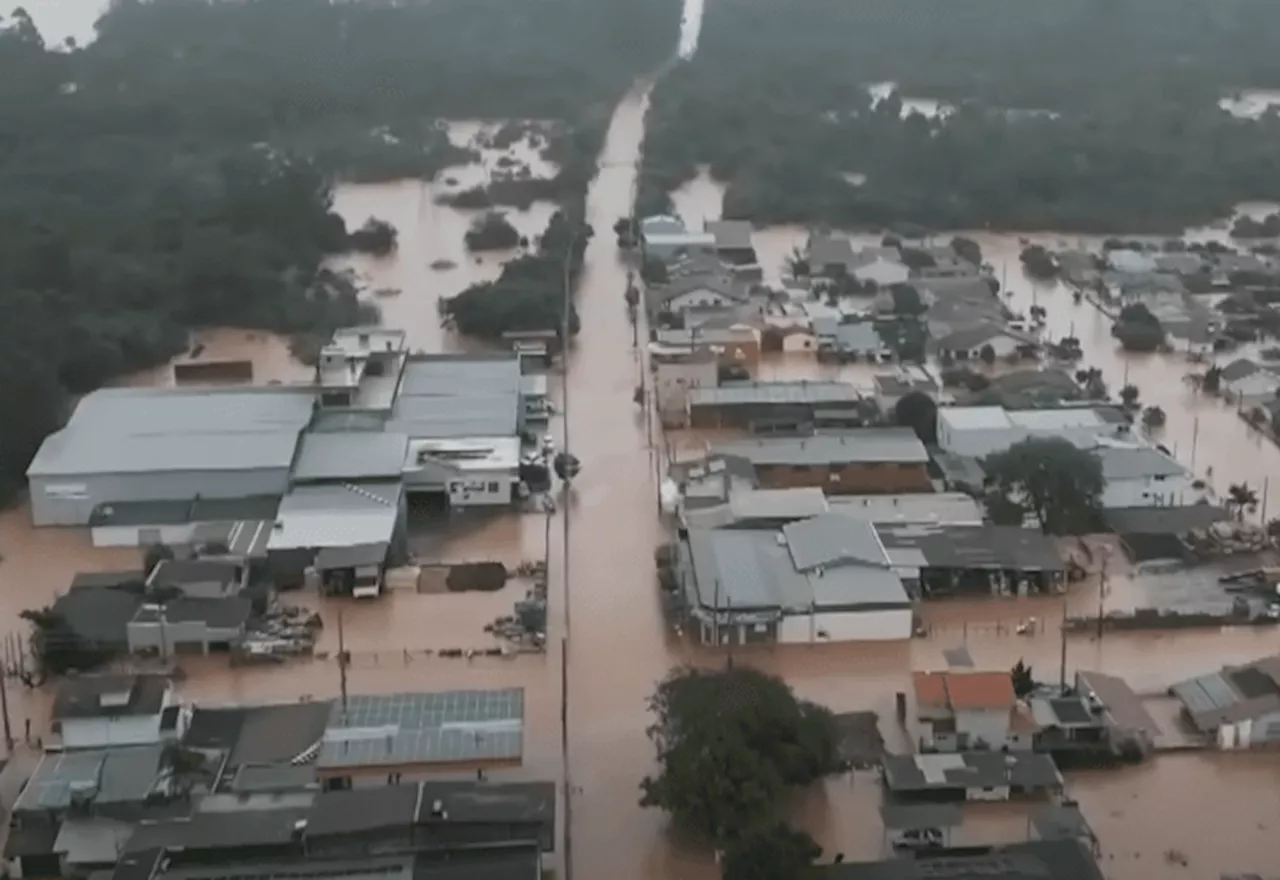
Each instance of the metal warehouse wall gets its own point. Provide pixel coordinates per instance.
(67, 509)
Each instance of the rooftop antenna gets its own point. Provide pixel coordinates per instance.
(342, 667)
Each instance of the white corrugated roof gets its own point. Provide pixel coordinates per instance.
(141, 430)
(341, 515)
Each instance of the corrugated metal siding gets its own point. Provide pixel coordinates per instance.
(52, 510)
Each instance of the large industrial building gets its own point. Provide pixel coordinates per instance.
(290, 469)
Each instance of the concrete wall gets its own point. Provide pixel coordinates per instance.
(990, 726)
(1149, 492)
(69, 501)
(1250, 733)
(977, 442)
(92, 733)
(846, 626)
(854, 479)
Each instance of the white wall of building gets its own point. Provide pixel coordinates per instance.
(883, 272)
(92, 733)
(481, 488)
(1169, 491)
(672, 381)
(845, 626)
(977, 442)
(698, 298)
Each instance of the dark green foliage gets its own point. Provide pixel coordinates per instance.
(729, 743)
(772, 101)
(1049, 477)
(1038, 262)
(1138, 329)
(771, 852)
(492, 232)
(1247, 227)
(1023, 681)
(56, 648)
(376, 237)
(917, 411)
(150, 182)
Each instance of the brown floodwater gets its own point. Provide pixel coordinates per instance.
(619, 647)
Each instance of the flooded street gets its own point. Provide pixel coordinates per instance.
(603, 593)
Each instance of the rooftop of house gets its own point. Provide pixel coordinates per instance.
(1232, 694)
(361, 341)
(181, 511)
(966, 770)
(905, 381)
(869, 255)
(968, 547)
(1123, 706)
(1164, 520)
(760, 506)
(279, 733)
(109, 696)
(718, 283)
(979, 334)
(822, 562)
(853, 446)
(220, 830)
(100, 614)
(961, 691)
(121, 775)
(949, 508)
(765, 393)
(732, 235)
(828, 250)
(975, 418)
(149, 430)
(442, 729)
(1137, 463)
(1035, 860)
(450, 396)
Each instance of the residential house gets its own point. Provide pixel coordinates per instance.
(733, 241)
(1080, 268)
(831, 257)
(1030, 389)
(955, 303)
(949, 265)
(1248, 384)
(1185, 264)
(1056, 859)
(98, 711)
(892, 387)
(881, 265)
(677, 370)
(918, 508)
(198, 625)
(702, 291)
(1143, 476)
(858, 461)
(1237, 707)
(968, 343)
(847, 341)
(1227, 265)
(762, 406)
(814, 580)
(666, 238)
(735, 345)
(1125, 719)
(979, 431)
(957, 711)
(970, 776)
(787, 334)
(1130, 261)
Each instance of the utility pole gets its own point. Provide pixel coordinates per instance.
(1104, 579)
(4, 707)
(1195, 437)
(342, 666)
(1062, 672)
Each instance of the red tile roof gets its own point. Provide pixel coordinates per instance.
(964, 690)
(931, 688)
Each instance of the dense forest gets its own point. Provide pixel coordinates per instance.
(177, 171)
(1089, 115)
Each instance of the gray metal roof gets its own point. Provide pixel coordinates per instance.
(428, 728)
(337, 515)
(744, 570)
(458, 396)
(832, 539)
(757, 393)
(827, 250)
(856, 446)
(1136, 463)
(731, 234)
(968, 547)
(944, 508)
(139, 430)
(350, 455)
(102, 776)
(1232, 694)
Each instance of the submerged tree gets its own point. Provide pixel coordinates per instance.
(1240, 497)
(771, 852)
(1023, 681)
(918, 411)
(1050, 478)
(729, 744)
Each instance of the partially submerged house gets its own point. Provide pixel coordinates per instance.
(940, 559)
(961, 710)
(856, 461)
(969, 343)
(971, 776)
(1237, 707)
(99, 711)
(733, 241)
(763, 406)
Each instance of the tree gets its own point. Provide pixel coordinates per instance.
(729, 743)
(491, 231)
(1212, 380)
(1038, 262)
(154, 555)
(906, 300)
(654, 271)
(967, 249)
(918, 411)
(57, 648)
(1153, 417)
(1138, 329)
(797, 263)
(987, 354)
(771, 852)
(377, 237)
(1052, 479)
(1129, 395)
(1023, 681)
(1241, 498)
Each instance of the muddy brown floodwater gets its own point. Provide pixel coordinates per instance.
(1220, 810)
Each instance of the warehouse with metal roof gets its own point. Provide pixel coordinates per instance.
(149, 444)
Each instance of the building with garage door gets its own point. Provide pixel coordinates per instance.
(152, 444)
(820, 579)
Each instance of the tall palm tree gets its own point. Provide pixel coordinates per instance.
(1240, 497)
